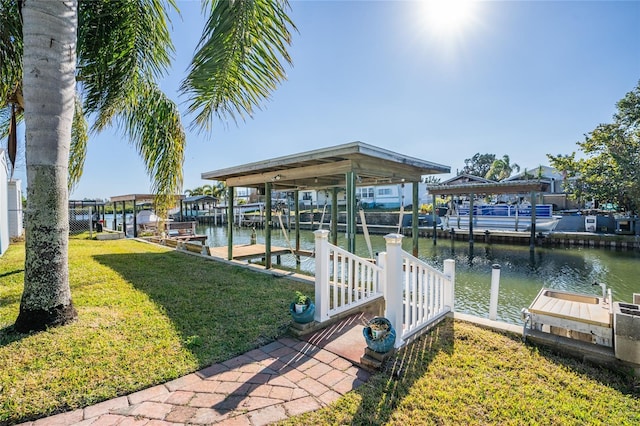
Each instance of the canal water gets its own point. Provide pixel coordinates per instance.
(522, 272)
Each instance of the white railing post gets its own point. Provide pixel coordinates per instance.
(495, 288)
(382, 279)
(449, 292)
(322, 275)
(393, 285)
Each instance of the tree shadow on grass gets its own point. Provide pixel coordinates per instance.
(219, 310)
(9, 335)
(475, 354)
(15, 271)
(10, 299)
(384, 391)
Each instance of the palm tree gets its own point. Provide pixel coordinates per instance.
(207, 189)
(501, 169)
(220, 191)
(115, 50)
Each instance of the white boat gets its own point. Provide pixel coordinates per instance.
(145, 220)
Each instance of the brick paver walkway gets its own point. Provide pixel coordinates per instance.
(282, 379)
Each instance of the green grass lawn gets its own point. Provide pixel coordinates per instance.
(148, 315)
(461, 374)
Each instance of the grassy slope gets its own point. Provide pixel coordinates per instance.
(146, 315)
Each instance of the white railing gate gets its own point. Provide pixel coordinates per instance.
(416, 294)
(343, 280)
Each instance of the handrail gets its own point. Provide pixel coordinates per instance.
(423, 294)
(353, 280)
(416, 295)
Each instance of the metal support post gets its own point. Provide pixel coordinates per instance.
(414, 218)
(267, 231)
(230, 222)
(351, 211)
(334, 216)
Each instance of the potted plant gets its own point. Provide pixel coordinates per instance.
(301, 302)
(379, 335)
(379, 329)
(302, 308)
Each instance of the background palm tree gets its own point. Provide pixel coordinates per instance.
(193, 192)
(501, 169)
(116, 50)
(220, 191)
(207, 189)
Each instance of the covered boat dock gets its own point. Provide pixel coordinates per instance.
(472, 189)
(137, 200)
(332, 169)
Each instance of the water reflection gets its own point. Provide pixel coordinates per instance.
(523, 271)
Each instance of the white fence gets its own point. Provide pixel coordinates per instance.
(4, 211)
(416, 294)
(16, 215)
(348, 281)
(427, 293)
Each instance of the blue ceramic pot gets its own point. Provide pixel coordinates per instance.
(304, 316)
(383, 344)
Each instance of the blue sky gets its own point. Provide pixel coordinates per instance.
(522, 78)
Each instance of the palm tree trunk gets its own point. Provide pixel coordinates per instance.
(49, 29)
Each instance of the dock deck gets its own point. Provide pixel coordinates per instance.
(247, 251)
(576, 316)
(572, 307)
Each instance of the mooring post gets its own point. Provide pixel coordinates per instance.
(449, 269)
(495, 287)
(471, 196)
(532, 238)
(435, 220)
(115, 216)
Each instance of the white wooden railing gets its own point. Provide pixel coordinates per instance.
(343, 280)
(416, 294)
(423, 289)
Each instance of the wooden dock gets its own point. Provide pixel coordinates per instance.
(248, 251)
(572, 307)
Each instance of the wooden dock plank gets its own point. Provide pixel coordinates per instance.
(247, 251)
(596, 314)
(574, 310)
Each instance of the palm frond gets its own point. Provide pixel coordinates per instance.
(5, 120)
(120, 42)
(10, 51)
(5, 117)
(153, 124)
(78, 148)
(12, 142)
(238, 60)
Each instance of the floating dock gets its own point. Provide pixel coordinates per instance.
(253, 251)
